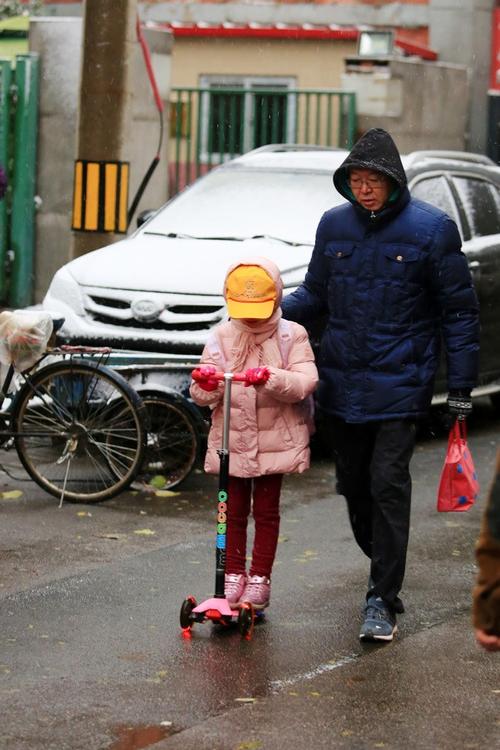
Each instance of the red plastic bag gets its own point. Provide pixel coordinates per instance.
(458, 487)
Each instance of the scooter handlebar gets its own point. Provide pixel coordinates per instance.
(252, 376)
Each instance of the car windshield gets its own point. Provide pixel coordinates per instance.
(231, 203)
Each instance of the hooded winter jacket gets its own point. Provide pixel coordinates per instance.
(269, 433)
(391, 283)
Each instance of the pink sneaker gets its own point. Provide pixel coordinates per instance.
(234, 585)
(257, 591)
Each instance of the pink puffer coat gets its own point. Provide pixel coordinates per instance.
(268, 432)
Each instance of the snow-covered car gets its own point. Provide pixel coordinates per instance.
(160, 290)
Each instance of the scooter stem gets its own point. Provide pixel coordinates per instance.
(223, 499)
(228, 379)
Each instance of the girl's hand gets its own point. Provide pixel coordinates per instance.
(204, 377)
(256, 375)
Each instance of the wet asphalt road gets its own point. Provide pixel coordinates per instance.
(91, 654)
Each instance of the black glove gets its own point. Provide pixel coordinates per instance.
(459, 404)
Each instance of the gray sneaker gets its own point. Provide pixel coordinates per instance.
(379, 623)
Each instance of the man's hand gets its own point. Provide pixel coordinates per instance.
(459, 404)
(487, 641)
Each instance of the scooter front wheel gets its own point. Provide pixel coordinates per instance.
(246, 619)
(187, 607)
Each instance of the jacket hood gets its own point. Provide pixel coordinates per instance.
(375, 150)
(268, 265)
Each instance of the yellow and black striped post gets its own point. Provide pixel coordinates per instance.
(100, 196)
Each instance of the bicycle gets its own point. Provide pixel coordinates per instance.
(78, 427)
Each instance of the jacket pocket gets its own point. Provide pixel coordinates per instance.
(340, 254)
(284, 427)
(400, 261)
(341, 260)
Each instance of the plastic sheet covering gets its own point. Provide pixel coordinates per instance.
(24, 335)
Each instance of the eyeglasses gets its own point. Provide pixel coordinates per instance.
(373, 183)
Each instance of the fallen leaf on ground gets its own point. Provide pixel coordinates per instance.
(112, 536)
(282, 538)
(158, 481)
(245, 700)
(11, 494)
(252, 745)
(82, 513)
(144, 532)
(159, 676)
(166, 493)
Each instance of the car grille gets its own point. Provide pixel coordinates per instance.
(155, 325)
(176, 312)
(118, 304)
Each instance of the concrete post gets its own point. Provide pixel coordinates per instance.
(105, 115)
(463, 35)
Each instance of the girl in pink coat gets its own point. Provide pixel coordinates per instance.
(269, 428)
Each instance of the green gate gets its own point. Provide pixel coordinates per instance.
(211, 125)
(18, 141)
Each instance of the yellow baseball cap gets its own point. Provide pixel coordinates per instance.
(250, 293)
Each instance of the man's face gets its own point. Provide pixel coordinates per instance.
(371, 189)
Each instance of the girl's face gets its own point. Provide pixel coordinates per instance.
(253, 322)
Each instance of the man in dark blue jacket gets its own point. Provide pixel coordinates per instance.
(388, 272)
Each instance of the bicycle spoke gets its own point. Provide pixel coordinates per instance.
(77, 402)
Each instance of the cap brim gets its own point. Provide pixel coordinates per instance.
(251, 310)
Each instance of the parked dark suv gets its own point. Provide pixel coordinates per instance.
(467, 187)
(160, 289)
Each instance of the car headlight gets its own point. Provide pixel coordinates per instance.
(63, 293)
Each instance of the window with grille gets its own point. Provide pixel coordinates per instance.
(240, 113)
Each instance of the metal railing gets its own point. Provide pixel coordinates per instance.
(211, 125)
(18, 155)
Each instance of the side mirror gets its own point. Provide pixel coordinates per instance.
(143, 217)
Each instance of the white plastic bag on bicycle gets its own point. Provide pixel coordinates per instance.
(24, 335)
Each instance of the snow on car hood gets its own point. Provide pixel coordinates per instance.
(190, 266)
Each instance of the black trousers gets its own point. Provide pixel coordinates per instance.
(372, 461)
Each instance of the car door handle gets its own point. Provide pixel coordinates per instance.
(475, 269)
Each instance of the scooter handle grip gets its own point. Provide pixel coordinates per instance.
(200, 376)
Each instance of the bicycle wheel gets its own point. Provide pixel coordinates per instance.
(172, 443)
(79, 429)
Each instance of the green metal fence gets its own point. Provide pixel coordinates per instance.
(210, 125)
(18, 146)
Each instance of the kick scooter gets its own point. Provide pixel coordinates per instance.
(217, 609)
